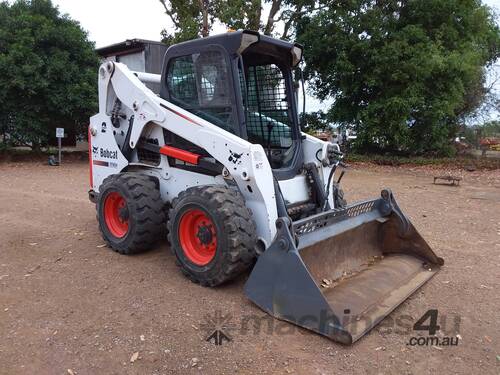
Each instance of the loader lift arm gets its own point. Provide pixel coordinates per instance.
(252, 168)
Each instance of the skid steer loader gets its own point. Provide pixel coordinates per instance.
(217, 160)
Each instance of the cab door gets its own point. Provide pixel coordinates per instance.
(199, 80)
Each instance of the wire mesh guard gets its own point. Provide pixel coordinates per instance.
(268, 121)
(146, 156)
(330, 217)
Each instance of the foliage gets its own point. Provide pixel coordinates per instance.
(473, 134)
(490, 129)
(48, 72)
(438, 163)
(315, 121)
(195, 18)
(190, 19)
(400, 71)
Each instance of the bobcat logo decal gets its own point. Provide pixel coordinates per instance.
(234, 157)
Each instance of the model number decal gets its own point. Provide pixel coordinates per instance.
(101, 163)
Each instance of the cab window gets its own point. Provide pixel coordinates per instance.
(200, 83)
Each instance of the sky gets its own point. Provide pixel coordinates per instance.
(113, 21)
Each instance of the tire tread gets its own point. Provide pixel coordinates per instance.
(149, 212)
(238, 225)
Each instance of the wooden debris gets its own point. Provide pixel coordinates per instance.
(448, 178)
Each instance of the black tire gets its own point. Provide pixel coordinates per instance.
(146, 214)
(234, 230)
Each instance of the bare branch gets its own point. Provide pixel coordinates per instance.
(291, 19)
(169, 12)
(275, 7)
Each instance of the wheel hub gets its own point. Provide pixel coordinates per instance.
(205, 234)
(123, 213)
(197, 237)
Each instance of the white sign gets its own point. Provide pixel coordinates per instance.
(60, 132)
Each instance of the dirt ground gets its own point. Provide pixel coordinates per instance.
(69, 305)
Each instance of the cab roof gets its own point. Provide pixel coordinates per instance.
(241, 41)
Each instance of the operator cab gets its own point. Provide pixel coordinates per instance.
(242, 82)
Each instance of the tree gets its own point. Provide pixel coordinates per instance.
(482, 101)
(47, 72)
(315, 121)
(474, 134)
(195, 18)
(400, 71)
(490, 128)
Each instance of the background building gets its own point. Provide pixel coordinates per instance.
(139, 55)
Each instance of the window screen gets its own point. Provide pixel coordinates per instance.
(200, 83)
(268, 121)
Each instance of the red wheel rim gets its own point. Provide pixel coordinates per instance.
(114, 214)
(198, 237)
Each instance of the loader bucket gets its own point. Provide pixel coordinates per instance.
(341, 272)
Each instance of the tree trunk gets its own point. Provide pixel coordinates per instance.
(275, 7)
(205, 29)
